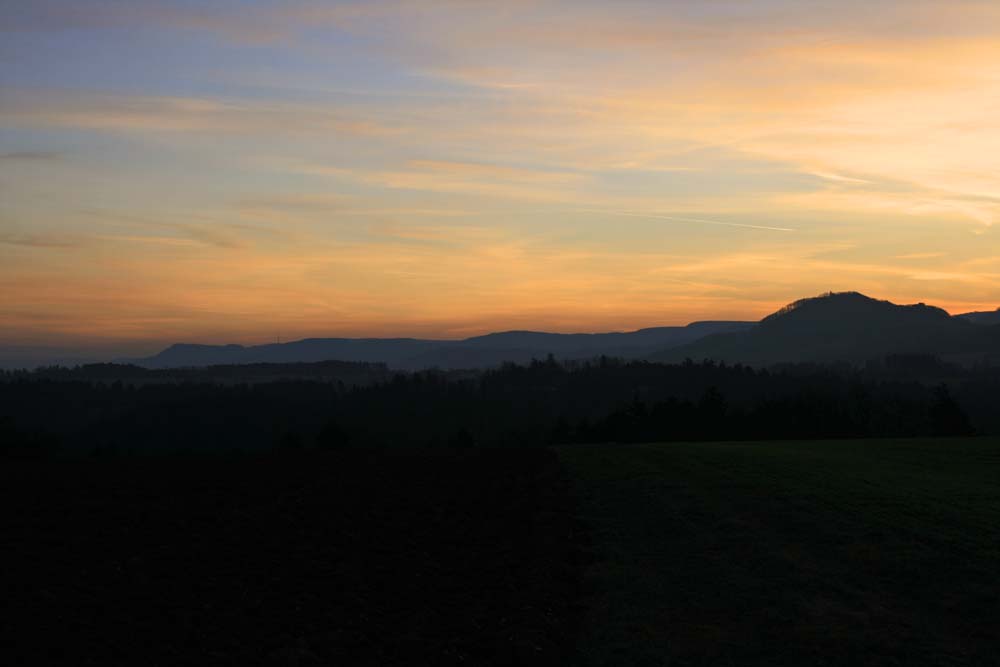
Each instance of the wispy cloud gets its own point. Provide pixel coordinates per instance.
(226, 235)
(921, 255)
(144, 113)
(31, 156)
(447, 176)
(495, 172)
(673, 218)
(43, 240)
(450, 166)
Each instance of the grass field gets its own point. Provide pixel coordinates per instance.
(791, 553)
(812, 553)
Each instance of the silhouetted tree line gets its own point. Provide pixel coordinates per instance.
(347, 372)
(808, 415)
(606, 400)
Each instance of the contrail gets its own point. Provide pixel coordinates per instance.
(702, 221)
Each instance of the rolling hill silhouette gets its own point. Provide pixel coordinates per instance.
(412, 354)
(847, 326)
(986, 317)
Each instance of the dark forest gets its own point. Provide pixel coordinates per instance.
(104, 409)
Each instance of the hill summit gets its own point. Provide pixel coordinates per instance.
(846, 307)
(846, 326)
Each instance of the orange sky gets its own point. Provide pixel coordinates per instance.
(432, 168)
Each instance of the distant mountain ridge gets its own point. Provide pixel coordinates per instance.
(844, 326)
(847, 326)
(413, 353)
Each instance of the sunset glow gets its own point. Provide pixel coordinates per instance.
(234, 171)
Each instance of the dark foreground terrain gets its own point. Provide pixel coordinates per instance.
(301, 559)
(863, 552)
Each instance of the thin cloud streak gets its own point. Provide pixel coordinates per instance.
(30, 156)
(138, 113)
(672, 218)
(41, 241)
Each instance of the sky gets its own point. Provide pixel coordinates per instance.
(241, 171)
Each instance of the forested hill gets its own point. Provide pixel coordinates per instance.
(848, 327)
(985, 317)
